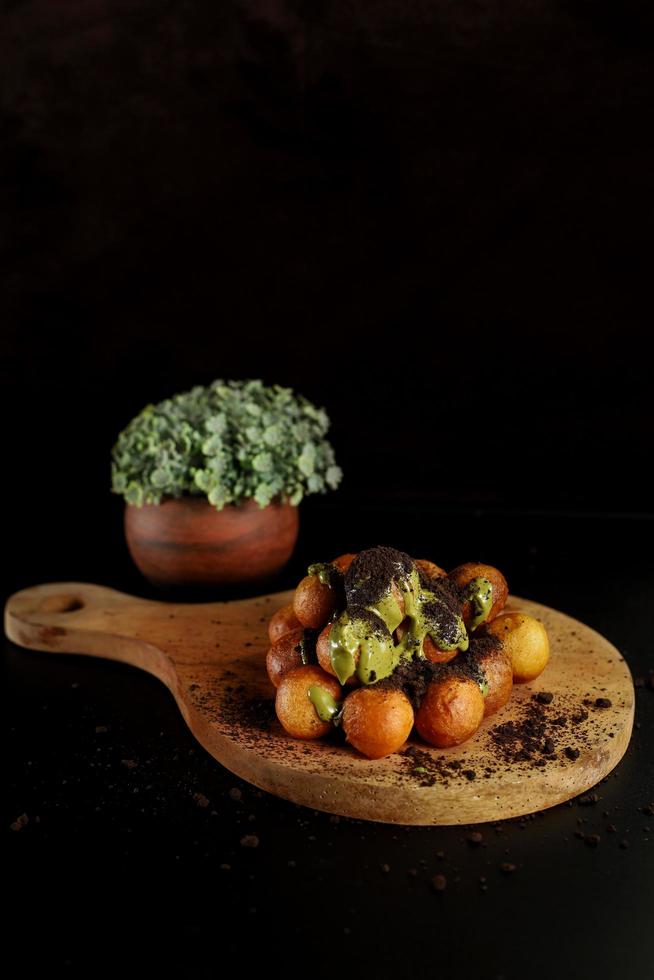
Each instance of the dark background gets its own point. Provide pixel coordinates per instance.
(434, 219)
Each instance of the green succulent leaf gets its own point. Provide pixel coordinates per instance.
(231, 441)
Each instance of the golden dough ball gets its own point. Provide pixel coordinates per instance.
(435, 654)
(464, 574)
(524, 639)
(451, 711)
(295, 711)
(284, 655)
(429, 569)
(377, 720)
(343, 562)
(323, 652)
(313, 602)
(282, 622)
(498, 671)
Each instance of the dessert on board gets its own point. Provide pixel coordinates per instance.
(378, 644)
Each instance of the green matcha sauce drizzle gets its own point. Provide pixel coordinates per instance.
(364, 633)
(480, 594)
(326, 707)
(383, 590)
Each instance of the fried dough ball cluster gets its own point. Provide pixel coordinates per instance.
(378, 644)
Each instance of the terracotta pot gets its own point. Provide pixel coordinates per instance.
(188, 542)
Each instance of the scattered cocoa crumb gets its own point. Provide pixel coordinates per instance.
(235, 793)
(101, 729)
(129, 763)
(588, 799)
(250, 840)
(251, 714)
(19, 822)
(592, 840)
(429, 769)
(544, 697)
(475, 838)
(603, 703)
(571, 752)
(439, 883)
(518, 740)
(201, 800)
(386, 868)
(507, 868)
(648, 809)
(624, 844)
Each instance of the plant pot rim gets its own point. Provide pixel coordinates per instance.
(247, 503)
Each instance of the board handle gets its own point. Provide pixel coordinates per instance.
(78, 617)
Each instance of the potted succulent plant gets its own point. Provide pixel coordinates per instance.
(212, 479)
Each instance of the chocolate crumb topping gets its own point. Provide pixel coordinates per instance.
(448, 606)
(369, 576)
(414, 676)
(374, 624)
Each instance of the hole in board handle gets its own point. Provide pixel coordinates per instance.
(60, 604)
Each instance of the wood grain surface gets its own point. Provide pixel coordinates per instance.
(211, 656)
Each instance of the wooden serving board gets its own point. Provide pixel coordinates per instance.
(212, 657)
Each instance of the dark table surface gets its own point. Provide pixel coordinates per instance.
(122, 863)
